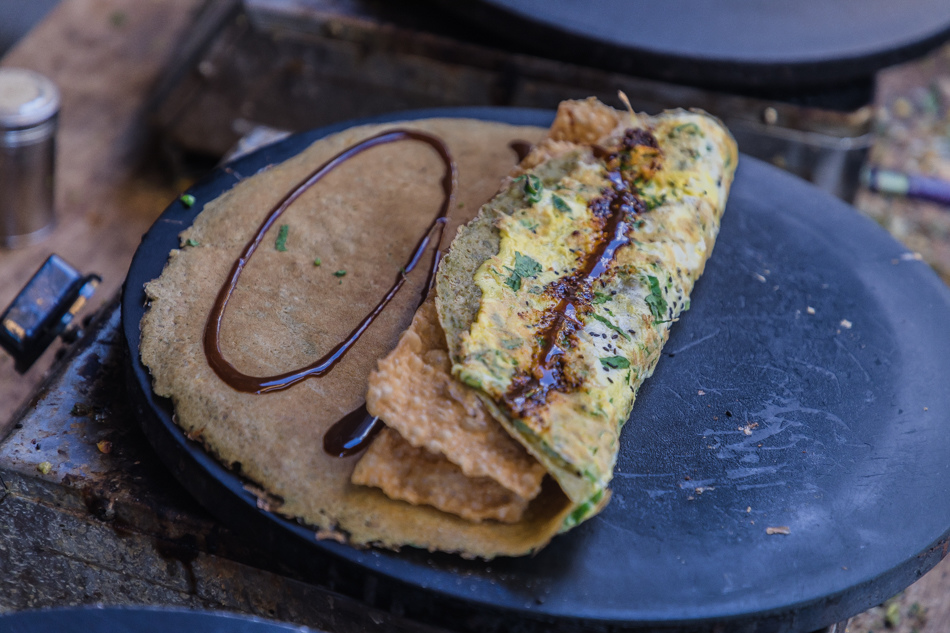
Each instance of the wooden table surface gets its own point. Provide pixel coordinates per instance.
(106, 56)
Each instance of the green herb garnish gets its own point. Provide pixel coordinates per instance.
(528, 224)
(655, 300)
(690, 129)
(599, 298)
(652, 201)
(615, 362)
(317, 261)
(611, 326)
(559, 204)
(340, 273)
(512, 344)
(187, 200)
(192, 242)
(533, 188)
(524, 267)
(281, 243)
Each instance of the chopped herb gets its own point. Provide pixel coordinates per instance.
(340, 273)
(528, 224)
(317, 261)
(615, 362)
(655, 300)
(611, 326)
(524, 267)
(652, 201)
(599, 298)
(187, 200)
(533, 188)
(690, 129)
(559, 204)
(192, 242)
(281, 243)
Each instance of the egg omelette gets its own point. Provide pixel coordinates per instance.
(554, 303)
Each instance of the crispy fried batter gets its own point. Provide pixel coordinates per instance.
(419, 476)
(414, 392)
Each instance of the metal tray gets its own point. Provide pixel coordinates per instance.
(805, 388)
(726, 44)
(139, 620)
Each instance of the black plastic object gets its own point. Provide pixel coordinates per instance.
(722, 44)
(804, 389)
(138, 620)
(42, 310)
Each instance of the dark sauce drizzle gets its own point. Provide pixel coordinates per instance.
(352, 433)
(615, 207)
(521, 149)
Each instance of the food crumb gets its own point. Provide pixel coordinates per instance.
(105, 447)
(846, 324)
(810, 310)
(778, 529)
(760, 277)
(748, 509)
(44, 467)
(747, 429)
(700, 393)
(332, 535)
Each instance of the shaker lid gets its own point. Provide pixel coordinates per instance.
(27, 98)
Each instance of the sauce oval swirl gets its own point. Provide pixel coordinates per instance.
(354, 430)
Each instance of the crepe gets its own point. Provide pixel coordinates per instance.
(555, 302)
(362, 221)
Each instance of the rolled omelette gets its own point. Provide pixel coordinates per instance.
(554, 303)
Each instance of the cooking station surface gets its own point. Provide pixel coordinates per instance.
(109, 524)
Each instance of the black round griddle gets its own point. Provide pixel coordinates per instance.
(722, 43)
(805, 388)
(138, 620)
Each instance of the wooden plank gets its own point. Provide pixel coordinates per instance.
(105, 56)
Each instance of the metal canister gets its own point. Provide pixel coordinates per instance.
(29, 108)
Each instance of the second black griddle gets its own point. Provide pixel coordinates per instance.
(786, 466)
(741, 45)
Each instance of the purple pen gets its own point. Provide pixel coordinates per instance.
(907, 185)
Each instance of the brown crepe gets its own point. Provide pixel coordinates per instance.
(361, 222)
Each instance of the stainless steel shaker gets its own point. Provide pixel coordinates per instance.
(29, 108)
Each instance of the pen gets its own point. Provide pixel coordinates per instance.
(907, 185)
